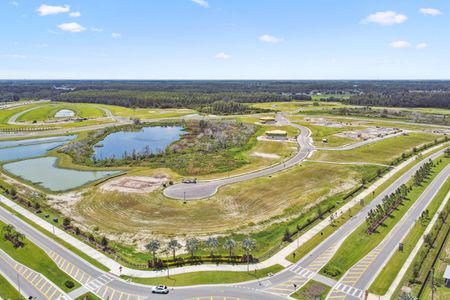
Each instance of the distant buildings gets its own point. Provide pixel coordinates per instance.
(267, 120)
(276, 135)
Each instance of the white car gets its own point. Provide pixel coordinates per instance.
(160, 289)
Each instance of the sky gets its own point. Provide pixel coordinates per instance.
(225, 39)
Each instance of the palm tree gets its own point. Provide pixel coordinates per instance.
(153, 246)
(192, 246)
(212, 243)
(173, 245)
(230, 244)
(248, 245)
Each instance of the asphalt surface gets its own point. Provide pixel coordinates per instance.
(205, 189)
(278, 286)
(363, 273)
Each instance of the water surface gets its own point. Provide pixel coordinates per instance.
(64, 113)
(43, 172)
(155, 139)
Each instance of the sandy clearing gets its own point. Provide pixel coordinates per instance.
(265, 155)
(134, 184)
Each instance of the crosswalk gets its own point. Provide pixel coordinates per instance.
(99, 282)
(301, 275)
(342, 291)
(72, 270)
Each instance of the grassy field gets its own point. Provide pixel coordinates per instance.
(313, 290)
(7, 291)
(232, 207)
(359, 243)
(147, 113)
(47, 112)
(390, 271)
(6, 114)
(379, 152)
(39, 261)
(197, 278)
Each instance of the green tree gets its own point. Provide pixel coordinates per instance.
(248, 245)
(174, 245)
(192, 245)
(229, 245)
(153, 246)
(212, 243)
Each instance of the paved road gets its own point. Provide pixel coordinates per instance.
(308, 267)
(362, 274)
(204, 189)
(276, 287)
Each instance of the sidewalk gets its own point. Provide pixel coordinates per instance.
(278, 258)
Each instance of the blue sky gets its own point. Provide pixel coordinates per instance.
(225, 39)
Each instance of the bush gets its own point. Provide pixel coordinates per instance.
(332, 271)
(69, 284)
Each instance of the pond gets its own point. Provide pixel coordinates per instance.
(65, 113)
(15, 143)
(54, 179)
(14, 150)
(153, 139)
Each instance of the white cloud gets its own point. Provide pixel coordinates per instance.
(421, 45)
(269, 39)
(430, 11)
(45, 10)
(385, 18)
(116, 35)
(16, 56)
(15, 3)
(75, 14)
(71, 27)
(201, 3)
(400, 44)
(96, 29)
(223, 56)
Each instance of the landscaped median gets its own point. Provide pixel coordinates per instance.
(303, 249)
(7, 291)
(360, 243)
(384, 280)
(39, 261)
(207, 277)
(312, 290)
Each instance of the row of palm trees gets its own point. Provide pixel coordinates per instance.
(10, 233)
(192, 245)
(377, 215)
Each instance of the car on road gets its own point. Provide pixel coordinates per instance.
(160, 289)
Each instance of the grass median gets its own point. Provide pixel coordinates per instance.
(301, 251)
(359, 243)
(39, 261)
(7, 291)
(390, 271)
(207, 277)
(312, 290)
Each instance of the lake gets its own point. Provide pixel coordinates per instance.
(156, 138)
(64, 113)
(43, 172)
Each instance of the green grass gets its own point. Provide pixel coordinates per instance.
(384, 280)
(196, 278)
(60, 241)
(48, 111)
(7, 291)
(359, 243)
(89, 296)
(378, 152)
(39, 261)
(318, 238)
(147, 113)
(312, 289)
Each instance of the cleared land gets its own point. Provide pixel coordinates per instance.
(312, 290)
(232, 207)
(147, 113)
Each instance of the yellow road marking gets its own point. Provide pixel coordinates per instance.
(121, 295)
(76, 274)
(36, 285)
(112, 294)
(45, 284)
(51, 296)
(104, 293)
(29, 275)
(70, 272)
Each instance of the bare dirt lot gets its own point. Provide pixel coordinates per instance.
(134, 184)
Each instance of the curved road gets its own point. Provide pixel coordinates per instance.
(204, 189)
(108, 286)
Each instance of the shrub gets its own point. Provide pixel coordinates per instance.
(69, 284)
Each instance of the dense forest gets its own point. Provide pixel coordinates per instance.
(402, 99)
(210, 95)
